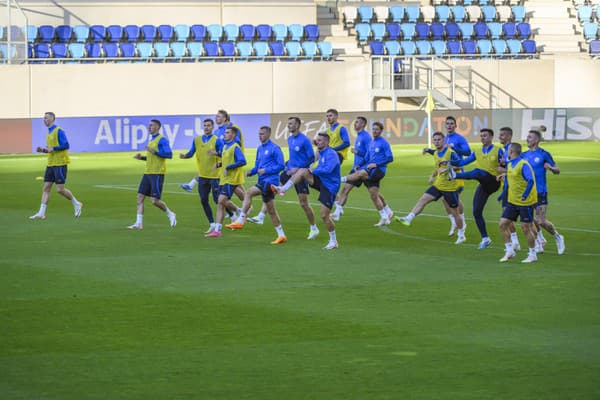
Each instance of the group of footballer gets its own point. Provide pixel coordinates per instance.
(220, 160)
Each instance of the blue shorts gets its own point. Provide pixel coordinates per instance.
(354, 183)
(301, 188)
(56, 174)
(265, 191)
(375, 176)
(450, 197)
(227, 190)
(512, 211)
(325, 196)
(542, 199)
(151, 185)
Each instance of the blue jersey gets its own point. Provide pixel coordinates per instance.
(328, 169)
(301, 151)
(459, 144)
(379, 153)
(537, 158)
(363, 139)
(270, 158)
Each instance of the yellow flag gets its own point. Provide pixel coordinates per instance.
(430, 105)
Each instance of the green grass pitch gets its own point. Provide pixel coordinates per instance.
(91, 310)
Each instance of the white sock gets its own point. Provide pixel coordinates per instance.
(242, 218)
(514, 238)
(339, 209)
(261, 215)
(540, 235)
(532, 252)
(139, 218)
(74, 201)
(411, 215)
(509, 247)
(279, 230)
(332, 237)
(388, 210)
(168, 211)
(383, 213)
(556, 235)
(462, 218)
(452, 219)
(461, 232)
(193, 183)
(42, 209)
(314, 228)
(218, 227)
(287, 185)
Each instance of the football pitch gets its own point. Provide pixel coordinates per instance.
(91, 310)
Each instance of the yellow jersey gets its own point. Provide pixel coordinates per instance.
(517, 185)
(154, 163)
(234, 176)
(205, 163)
(441, 181)
(335, 139)
(488, 162)
(56, 158)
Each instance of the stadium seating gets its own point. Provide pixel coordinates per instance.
(227, 49)
(393, 31)
(247, 32)
(261, 49)
(111, 49)
(165, 33)
(280, 32)
(326, 50)
(277, 49)
(132, 33)
(97, 33)
(64, 33)
(244, 49)
(182, 32)
(264, 32)
(377, 48)
(397, 13)
(31, 32)
(439, 47)
(595, 48)
(293, 49)
(232, 32)
(76, 50)
(378, 31)
(195, 49)
(46, 34)
(590, 30)
(178, 49)
(392, 47)
(198, 32)
(215, 32)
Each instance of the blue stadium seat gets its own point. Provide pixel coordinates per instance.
(115, 33)
(454, 47)
(296, 32)
(510, 30)
(59, 50)
(392, 47)
(422, 30)
(165, 33)
(584, 13)
(280, 32)
(518, 13)
(64, 33)
(443, 13)
(365, 13)
(524, 30)
(29, 51)
(46, 33)
(127, 49)
(93, 50)
(529, 46)
(590, 30)
(377, 48)
(215, 32)
(452, 31)
(363, 31)
(182, 32)
(16, 33)
(232, 32)
(495, 30)
(499, 46)
(227, 49)
(437, 31)
(31, 32)
(409, 47)
(378, 30)
(485, 2)
(132, 33)
(264, 32)
(467, 2)
(466, 30)
(111, 50)
(309, 49)
(413, 13)
(514, 46)
(423, 46)
(2, 33)
(325, 49)
(277, 48)
(195, 49)
(469, 46)
(198, 32)
(76, 50)
(481, 30)
(41, 50)
(484, 46)
(439, 47)
(393, 31)
(248, 32)
(144, 49)
(161, 50)
(178, 49)
(4, 51)
(148, 34)
(397, 13)
(459, 13)
(408, 30)
(293, 49)
(311, 32)
(244, 49)
(261, 48)
(489, 13)
(595, 47)
(97, 34)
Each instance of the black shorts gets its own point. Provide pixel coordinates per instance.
(265, 191)
(450, 197)
(375, 176)
(56, 174)
(512, 211)
(354, 183)
(325, 196)
(490, 184)
(151, 185)
(301, 188)
(542, 199)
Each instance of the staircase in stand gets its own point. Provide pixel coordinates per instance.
(332, 30)
(554, 25)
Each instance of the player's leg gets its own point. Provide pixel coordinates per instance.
(430, 195)
(341, 202)
(46, 189)
(541, 220)
(144, 190)
(325, 216)
(376, 199)
(386, 207)
(241, 219)
(188, 187)
(205, 188)
(60, 178)
(268, 195)
(452, 198)
(480, 199)
(313, 230)
(451, 217)
(157, 181)
(225, 193)
(300, 175)
(505, 223)
(260, 217)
